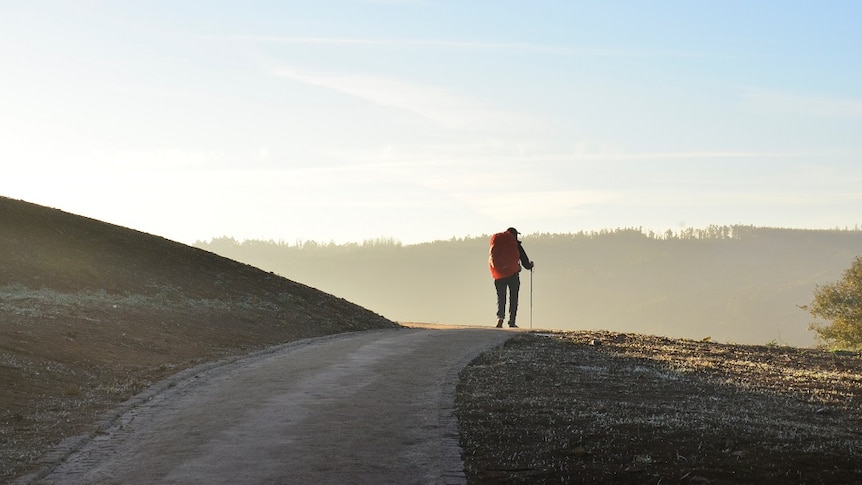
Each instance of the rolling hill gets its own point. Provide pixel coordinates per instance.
(92, 313)
(737, 284)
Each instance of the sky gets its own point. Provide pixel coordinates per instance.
(418, 120)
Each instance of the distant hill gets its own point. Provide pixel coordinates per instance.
(737, 284)
(92, 313)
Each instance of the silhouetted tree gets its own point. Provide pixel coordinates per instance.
(841, 304)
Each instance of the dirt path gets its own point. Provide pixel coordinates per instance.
(369, 407)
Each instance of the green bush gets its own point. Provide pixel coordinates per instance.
(840, 303)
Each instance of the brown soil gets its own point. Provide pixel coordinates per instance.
(605, 407)
(92, 313)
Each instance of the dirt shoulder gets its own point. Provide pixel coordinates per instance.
(621, 408)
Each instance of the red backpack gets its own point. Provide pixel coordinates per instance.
(504, 260)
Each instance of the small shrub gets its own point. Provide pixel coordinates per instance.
(839, 303)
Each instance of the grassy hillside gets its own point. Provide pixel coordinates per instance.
(734, 284)
(92, 313)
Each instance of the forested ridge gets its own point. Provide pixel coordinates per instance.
(739, 284)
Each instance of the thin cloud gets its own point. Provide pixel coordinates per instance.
(779, 197)
(528, 159)
(523, 205)
(393, 2)
(497, 151)
(784, 102)
(454, 44)
(430, 102)
(659, 156)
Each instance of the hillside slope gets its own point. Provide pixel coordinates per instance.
(92, 313)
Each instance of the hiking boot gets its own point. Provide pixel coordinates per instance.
(499, 323)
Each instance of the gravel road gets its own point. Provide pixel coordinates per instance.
(367, 407)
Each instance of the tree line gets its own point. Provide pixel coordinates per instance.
(735, 283)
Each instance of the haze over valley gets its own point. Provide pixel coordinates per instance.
(738, 284)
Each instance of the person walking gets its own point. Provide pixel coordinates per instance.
(505, 259)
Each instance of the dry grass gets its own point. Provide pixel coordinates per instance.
(641, 409)
(92, 314)
(66, 359)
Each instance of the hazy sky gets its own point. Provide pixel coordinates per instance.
(348, 120)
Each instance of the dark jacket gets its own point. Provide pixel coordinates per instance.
(525, 261)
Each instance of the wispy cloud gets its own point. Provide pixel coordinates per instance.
(455, 44)
(393, 2)
(434, 103)
(666, 156)
(785, 102)
(522, 205)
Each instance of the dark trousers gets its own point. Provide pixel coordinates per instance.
(512, 284)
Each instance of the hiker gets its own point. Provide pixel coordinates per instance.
(505, 259)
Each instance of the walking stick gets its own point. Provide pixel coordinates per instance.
(531, 298)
